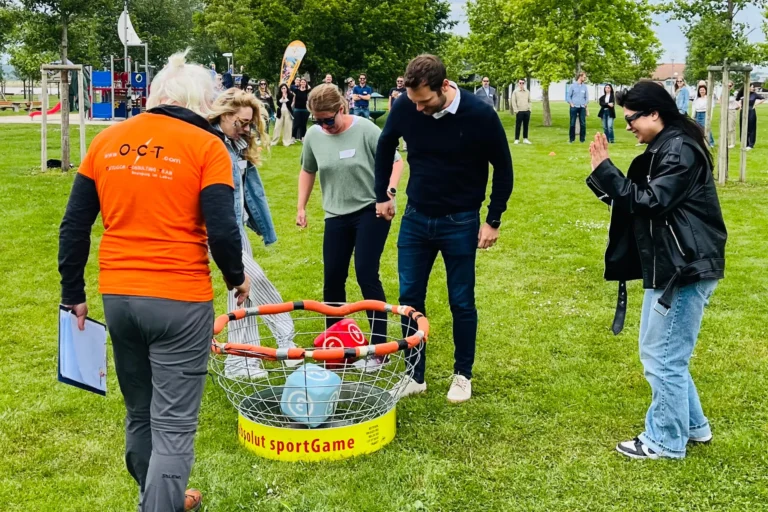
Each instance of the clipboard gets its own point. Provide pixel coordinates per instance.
(82, 355)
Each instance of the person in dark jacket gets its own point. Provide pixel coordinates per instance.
(284, 113)
(608, 111)
(666, 229)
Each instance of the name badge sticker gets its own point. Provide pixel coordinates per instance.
(347, 153)
(242, 164)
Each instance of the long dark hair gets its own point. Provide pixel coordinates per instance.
(244, 80)
(287, 89)
(647, 96)
(612, 93)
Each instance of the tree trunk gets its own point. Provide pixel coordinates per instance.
(545, 105)
(64, 99)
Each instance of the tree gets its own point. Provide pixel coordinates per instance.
(714, 35)
(553, 40)
(343, 37)
(456, 57)
(27, 63)
(58, 15)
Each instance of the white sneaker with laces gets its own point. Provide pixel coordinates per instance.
(371, 365)
(413, 388)
(526, 141)
(517, 142)
(461, 389)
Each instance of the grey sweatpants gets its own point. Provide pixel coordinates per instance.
(161, 352)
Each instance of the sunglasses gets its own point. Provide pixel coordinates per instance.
(262, 84)
(239, 123)
(249, 88)
(328, 121)
(635, 116)
(363, 79)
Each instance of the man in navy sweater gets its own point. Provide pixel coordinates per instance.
(452, 136)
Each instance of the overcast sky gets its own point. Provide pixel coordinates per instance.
(670, 35)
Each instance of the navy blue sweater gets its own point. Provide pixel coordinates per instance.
(448, 157)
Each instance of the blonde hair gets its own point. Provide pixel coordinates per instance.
(326, 98)
(186, 85)
(232, 100)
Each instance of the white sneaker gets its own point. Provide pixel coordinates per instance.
(526, 141)
(371, 365)
(292, 363)
(461, 389)
(517, 142)
(238, 367)
(413, 388)
(700, 440)
(731, 147)
(749, 148)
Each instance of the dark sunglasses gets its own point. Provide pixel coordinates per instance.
(363, 79)
(249, 88)
(328, 121)
(262, 83)
(635, 116)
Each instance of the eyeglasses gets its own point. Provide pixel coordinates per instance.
(521, 82)
(328, 121)
(240, 123)
(249, 88)
(363, 79)
(635, 116)
(262, 84)
(679, 81)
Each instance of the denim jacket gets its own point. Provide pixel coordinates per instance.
(257, 214)
(681, 99)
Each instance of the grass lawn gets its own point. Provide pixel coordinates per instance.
(554, 390)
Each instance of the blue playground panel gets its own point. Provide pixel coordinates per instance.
(101, 79)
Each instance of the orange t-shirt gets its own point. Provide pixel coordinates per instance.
(149, 171)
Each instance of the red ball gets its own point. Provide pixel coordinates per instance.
(343, 334)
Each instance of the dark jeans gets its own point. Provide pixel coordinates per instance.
(581, 112)
(364, 234)
(300, 117)
(161, 352)
(751, 127)
(522, 118)
(455, 237)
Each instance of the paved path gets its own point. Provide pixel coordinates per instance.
(74, 120)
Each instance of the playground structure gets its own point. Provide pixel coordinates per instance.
(722, 153)
(44, 111)
(330, 401)
(118, 92)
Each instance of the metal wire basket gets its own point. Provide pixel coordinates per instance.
(329, 374)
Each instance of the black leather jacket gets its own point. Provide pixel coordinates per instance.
(666, 224)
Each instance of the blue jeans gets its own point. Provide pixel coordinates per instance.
(608, 127)
(362, 112)
(666, 345)
(455, 236)
(581, 113)
(701, 119)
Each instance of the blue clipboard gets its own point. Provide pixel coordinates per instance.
(82, 355)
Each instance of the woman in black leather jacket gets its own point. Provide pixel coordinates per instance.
(666, 229)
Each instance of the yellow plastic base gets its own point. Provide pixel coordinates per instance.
(310, 445)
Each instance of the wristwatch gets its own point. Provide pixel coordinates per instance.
(495, 224)
(392, 191)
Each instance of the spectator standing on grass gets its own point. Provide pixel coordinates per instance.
(284, 114)
(394, 93)
(487, 93)
(667, 229)
(682, 96)
(348, 93)
(521, 106)
(578, 99)
(341, 149)
(154, 274)
(752, 101)
(700, 110)
(607, 112)
(300, 112)
(452, 136)
(361, 94)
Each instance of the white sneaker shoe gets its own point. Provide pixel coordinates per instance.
(517, 142)
(413, 388)
(526, 141)
(238, 367)
(461, 389)
(371, 365)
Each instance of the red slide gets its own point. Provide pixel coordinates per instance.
(54, 110)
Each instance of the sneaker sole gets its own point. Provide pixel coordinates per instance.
(458, 401)
(694, 442)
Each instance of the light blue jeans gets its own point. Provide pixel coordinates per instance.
(608, 127)
(701, 119)
(666, 345)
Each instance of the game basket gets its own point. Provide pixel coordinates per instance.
(327, 388)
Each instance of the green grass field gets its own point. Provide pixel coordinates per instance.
(554, 390)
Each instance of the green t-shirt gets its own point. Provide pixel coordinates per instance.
(345, 163)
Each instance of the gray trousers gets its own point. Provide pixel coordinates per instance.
(161, 352)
